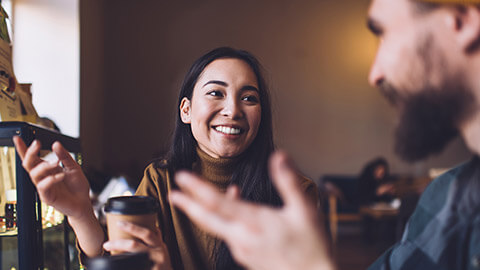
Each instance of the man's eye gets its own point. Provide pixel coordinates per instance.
(250, 99)
(215, 93)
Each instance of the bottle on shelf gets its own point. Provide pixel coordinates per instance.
(11, 209)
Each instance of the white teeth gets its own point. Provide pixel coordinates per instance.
(227, 130)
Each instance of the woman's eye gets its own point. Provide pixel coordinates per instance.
(215, 93)
(252, 99)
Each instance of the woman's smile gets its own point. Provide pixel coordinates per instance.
(228, 130)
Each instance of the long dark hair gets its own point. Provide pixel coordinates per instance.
(251, 174)
(368, 183)
(371, 166)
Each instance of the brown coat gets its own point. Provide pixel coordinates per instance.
(191, 248)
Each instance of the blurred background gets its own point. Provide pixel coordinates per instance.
(109, 72)
(134, 54)
(118, 66)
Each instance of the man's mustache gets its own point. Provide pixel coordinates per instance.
(390, 93)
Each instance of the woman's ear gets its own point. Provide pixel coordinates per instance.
(185, 109)
(467, 26)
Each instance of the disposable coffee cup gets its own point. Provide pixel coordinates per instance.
(126, 261)
(140, 210)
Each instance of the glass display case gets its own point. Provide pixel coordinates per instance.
(32, 234)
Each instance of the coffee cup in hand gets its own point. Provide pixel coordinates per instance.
(139, 210)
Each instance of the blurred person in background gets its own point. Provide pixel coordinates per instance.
(427, 65)
(374, 183)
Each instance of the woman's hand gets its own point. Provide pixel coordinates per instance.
(148, 241)
(60, 184)
(63, 185)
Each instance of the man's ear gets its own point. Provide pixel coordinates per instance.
(185, 109)
(467, 26)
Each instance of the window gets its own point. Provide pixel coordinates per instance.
(46, 48)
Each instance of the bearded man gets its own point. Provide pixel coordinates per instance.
(428, 66)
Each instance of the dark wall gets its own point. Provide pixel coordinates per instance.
(317, 56)
(92, 84)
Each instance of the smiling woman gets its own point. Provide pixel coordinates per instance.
(223, 133)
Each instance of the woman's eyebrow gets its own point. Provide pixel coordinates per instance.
(250, 88)
(222, 83)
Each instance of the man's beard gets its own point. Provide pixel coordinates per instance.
(430, 119)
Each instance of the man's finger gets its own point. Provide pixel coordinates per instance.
(232, 192)
(197, 189)
(227, 204)
(286, 179)
(207, 219)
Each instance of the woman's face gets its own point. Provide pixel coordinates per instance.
(379, 172)
(224, 112)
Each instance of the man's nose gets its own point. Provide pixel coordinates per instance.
(376, 75)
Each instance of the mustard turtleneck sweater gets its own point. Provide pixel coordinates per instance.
(189, 247)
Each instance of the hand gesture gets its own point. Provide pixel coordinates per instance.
(259, 237)
(148, 241)
(60, 184)
(386, 189)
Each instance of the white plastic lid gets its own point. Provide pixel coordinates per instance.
(11, 195)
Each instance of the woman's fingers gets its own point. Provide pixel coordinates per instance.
(20, 146)
(43, 170)
(30, 156)
(148, 240)
(51, 180)
(38, 168)
(64, 156)
(46, 189)
(125, 245)
(149, 237)
(158, 255)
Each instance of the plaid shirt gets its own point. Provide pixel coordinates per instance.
(444, 231)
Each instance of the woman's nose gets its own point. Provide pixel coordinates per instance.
(232, 108)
